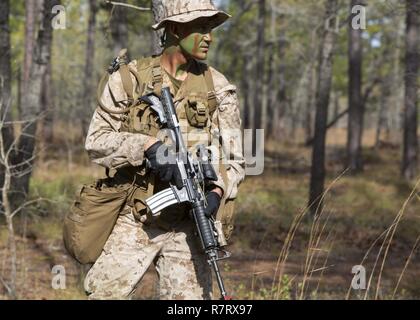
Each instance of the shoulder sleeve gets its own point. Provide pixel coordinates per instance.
(227, 125)
(221, 84)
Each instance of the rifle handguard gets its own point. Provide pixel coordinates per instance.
(204, 227)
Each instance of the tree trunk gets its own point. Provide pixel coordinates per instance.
(395, 110)
(279, 97)
(5, 79)
(30, 21)
(310, 106)
(89, 80)
(31, 102)
(383, 100)
(332, 123)
(356, 106)
(47, 108)
(322, 102)
(246, 89)
(312, 87)
(47, 131)
(336, 110)
(119, 29)
(158, 13)
(268, 97)
(259, 72)
(410, 146)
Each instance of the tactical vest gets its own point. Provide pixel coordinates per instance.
(195, 101)
(195, 104)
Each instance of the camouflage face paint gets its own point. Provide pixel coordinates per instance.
(195, 45)
(184, 41)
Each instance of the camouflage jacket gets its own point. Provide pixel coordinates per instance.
(109, 147)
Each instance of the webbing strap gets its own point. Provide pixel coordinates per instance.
(211, 96)
(223, 172)
(157, 80)
(128, 88)
(127, 83)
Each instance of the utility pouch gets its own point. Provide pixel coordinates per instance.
(197, 110)
(137, 202)
(226, 216)
(141, 119)
(92, 218)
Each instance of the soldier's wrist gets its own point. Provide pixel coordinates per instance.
(217, 190)
(150, 142)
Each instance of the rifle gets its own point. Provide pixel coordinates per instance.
(194, 173)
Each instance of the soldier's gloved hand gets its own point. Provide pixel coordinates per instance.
(213, 204)
(163, 164)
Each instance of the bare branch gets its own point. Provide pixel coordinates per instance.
(6, 110)
(127, 5)
(27, 203)
(17, 138)
(23, 163)
(9, 290)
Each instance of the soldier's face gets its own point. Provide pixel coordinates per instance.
(195, 38)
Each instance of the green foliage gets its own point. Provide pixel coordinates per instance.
(285, 289)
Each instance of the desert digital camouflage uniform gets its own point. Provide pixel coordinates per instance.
(168, 241)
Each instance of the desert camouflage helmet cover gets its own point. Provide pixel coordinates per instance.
(183, 11)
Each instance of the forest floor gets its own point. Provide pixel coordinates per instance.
(356, 222)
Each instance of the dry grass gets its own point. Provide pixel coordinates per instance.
(358, 209)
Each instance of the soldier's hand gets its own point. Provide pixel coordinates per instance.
(213, 204)
(163, 164)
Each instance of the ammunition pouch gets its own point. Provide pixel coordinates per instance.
(196, 110)
(141, 119)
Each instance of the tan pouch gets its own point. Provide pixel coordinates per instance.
(226, 216)
(141, 119)
(196, 110)
(92, 217)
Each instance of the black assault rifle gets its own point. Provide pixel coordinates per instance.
(194, 173)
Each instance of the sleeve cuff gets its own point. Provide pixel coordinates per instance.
(219, 183)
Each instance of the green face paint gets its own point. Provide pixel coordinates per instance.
(196, 44)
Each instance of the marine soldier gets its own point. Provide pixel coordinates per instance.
(124, 133)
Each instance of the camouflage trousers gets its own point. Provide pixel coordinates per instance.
(132, 247)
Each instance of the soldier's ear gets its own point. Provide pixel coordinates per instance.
(173, 30)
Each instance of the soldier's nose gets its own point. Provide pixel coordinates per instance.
(208, 37)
